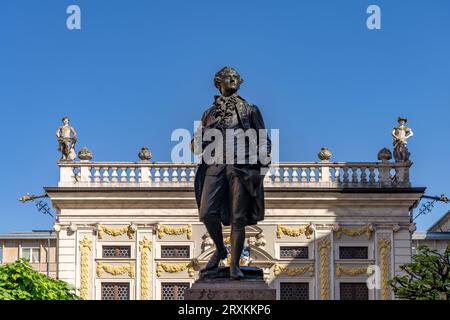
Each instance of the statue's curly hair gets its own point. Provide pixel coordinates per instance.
(66, 117)
(221, 74)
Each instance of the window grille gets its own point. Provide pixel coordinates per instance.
(294, 291)
(173, 291)
(353, 253)
(115, 291)
(354, 291)
(174, 251)
(116, 251)
(294, 252)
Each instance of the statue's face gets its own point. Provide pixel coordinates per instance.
(66, 121)
(230, 83)
(401, 122)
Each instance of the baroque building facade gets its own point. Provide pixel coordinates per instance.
(130, 230)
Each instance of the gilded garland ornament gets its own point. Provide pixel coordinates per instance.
(174, 268)
(384, 248)
(354, 232)
(145, 246)
(293, 271)
(340, 270)
(295, 232)
(324, 253)
(116, 270)
(85, 248)
(114, 232)
(174, 231)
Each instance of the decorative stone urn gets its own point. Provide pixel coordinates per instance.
(85, 154)
(145, 154)
(325, 154)
(384, 155)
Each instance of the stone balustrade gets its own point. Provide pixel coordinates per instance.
(286, 174)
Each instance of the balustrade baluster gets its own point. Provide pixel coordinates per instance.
(96, 174)
(114, 175)
(175, 174)
(133, 174)
(105, 174)
(337, 174)
(371, 175)
(165, 174)
(277, 175)
(192, 174)
(363, 175)
(157, 175)
(354, 175)
(286, 174)
(183, 174)
(345, 175)
(294, 174)
(312, 174)
(303, 174)
(123, 174)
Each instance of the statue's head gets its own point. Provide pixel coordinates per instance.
(65, 120)
(228, 81)
(402, 121)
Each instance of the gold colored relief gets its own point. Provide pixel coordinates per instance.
(114, 232)
(174, 267)
(340, 269)
(355, 232)
(295, 232)
(174, 231)
(384, 248)
(145, 245)
(324, 253)
(291, 271)
(227, 240)
(85, 247)
(116, 270)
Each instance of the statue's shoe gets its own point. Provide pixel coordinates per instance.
(236, 273)
(215, 259)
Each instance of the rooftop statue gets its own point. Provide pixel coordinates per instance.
(67, 138)
(400, 134)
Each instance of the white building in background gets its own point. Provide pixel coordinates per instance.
(37, 247)
(130, 230)
(436, 237)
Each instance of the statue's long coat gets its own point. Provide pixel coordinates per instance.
(251, 177)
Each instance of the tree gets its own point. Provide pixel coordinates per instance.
(18, 281)
(427, 276)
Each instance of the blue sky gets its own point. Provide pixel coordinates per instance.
(139, 69)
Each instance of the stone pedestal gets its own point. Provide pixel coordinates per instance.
(224, 289)
(216, 285)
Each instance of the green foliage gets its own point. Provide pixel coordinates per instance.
(18, 281)
(427, 276)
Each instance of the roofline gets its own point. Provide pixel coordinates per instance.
(51, 234)
(439, 220)
(267, 188)
(430, 235)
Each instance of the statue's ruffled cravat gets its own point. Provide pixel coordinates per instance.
(225, 107)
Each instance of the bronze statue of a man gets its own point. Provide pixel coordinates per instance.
(230, 192)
